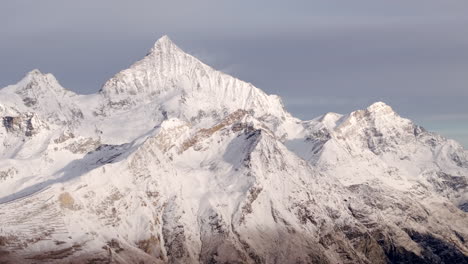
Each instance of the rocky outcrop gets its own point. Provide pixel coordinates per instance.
(27, 124)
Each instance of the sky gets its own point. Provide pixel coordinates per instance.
(319, 55)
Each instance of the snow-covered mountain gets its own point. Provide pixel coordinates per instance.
(175, 162)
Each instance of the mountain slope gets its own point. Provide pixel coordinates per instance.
(175, 162)
(377, 146)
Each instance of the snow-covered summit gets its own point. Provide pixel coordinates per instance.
(165, 45)
(380, 107)
(183, 87)
(34, 73)
(36, 83)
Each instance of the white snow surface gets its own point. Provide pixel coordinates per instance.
(175, 162)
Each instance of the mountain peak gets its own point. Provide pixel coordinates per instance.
(36, 80)
(194, 87)
(164, 39)
(34, 72)
(378, 113)
(164, 45)
(379, 107)
(38, 77)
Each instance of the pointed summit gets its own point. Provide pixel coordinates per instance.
(163, 64)
(164, 39)
(36, 80)
(194, 87)
(37, 77)
(164, 45)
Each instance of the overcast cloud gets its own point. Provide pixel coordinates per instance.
(320, 56)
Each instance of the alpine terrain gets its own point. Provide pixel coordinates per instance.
(175, 162)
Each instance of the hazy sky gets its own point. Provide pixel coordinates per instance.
(319, 56)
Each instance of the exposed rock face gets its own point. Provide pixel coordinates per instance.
(26, 124)
(8, 173)
(174, 162)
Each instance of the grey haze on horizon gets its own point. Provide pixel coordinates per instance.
(319, 56)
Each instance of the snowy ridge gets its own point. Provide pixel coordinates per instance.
(175, 162)
(186, 87)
